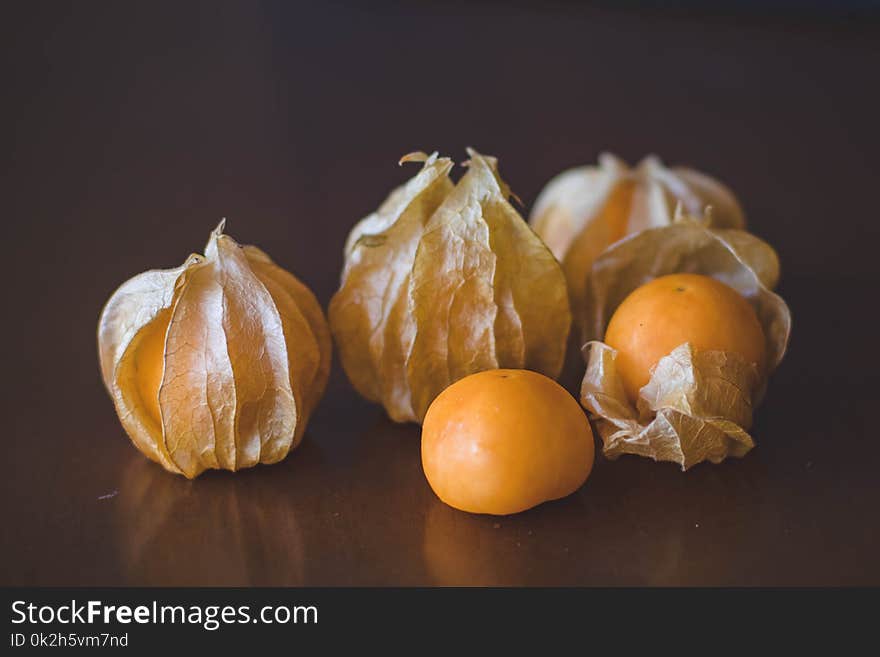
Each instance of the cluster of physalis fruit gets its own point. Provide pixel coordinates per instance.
(455, 313)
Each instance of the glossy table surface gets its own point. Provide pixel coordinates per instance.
(131, 129)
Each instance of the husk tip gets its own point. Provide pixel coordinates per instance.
(418, 156)
(651, 162)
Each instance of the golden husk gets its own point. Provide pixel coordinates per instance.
(245, 355)
(443, 281)
(698, 405)
(582, 211)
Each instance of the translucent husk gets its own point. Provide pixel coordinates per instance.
(697, 405)
(239, 350)
(442, 281)
(584, 210)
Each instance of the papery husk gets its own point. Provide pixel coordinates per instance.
(584, 210)
(244, 361)
(697, 405)
(443, 281)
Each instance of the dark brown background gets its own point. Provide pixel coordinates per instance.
(130, 129)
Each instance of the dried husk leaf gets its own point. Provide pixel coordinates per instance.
(370, 315)
(240, 354)
(305, 329)
(137, 304)
(443, 281)
(698, 405)
(582, 211)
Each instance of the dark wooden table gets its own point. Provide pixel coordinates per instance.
(130, 129)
